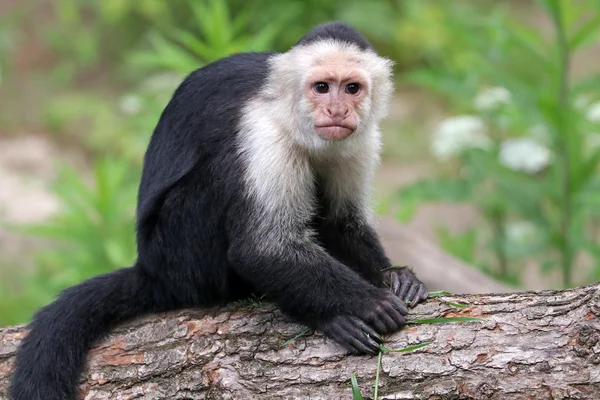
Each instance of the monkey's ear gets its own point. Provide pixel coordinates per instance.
(170, 157)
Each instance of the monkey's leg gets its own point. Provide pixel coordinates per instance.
(357, 245)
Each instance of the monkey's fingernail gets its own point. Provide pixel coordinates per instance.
(373, 344)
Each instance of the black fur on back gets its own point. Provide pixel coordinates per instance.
(191, 176)
(338, 31)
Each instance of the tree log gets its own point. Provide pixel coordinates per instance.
(527, 345)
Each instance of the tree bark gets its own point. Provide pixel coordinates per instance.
(528, 345)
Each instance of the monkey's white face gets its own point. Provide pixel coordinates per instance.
(328, 95)
(335, 90)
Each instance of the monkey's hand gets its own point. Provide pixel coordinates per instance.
(404, 284)
(352, 333)
(360, 334)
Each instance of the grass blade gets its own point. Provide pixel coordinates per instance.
(304, 332)
(406, 349)
(457, 305)
(439, 293)
(376, 393)
(356, 394)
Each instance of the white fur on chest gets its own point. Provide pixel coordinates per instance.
(282, 155)
(280, 175)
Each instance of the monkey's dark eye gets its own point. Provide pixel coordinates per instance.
(321, 87)
(352, 88)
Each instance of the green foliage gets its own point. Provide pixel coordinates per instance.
(524, 155)
(93, 234)
(120, 126)
(356, 394)
(220, 35)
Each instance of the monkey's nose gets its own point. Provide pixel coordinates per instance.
(338, 112)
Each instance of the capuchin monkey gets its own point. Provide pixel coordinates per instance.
(256, 180)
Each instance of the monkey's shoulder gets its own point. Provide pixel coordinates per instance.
(236, 73)
(214, 94)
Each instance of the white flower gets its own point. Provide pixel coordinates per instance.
(524, 154)
(520, 232)
(130, 104)
(457, 134)
(593, 140)
(492, 98)
(593, 112)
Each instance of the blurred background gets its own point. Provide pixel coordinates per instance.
(492, 146)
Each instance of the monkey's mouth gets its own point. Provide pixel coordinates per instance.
(334, 132)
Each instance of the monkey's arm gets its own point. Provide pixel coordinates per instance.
(313, 287)
(357, 245)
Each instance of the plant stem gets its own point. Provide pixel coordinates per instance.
(375, 394)
(563, 103)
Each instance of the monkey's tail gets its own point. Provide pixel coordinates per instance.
(53, 354)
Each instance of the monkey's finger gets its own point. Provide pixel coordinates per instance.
(398, 305)
(398, 318)
(346, 343)
(423, 293)
(388, 319)
(359, 334)
(395, 282)
(367, 330)
(404, 288)
(364, 344)
(339, 334)
(351, 333)
(412, 296)
(378, 323)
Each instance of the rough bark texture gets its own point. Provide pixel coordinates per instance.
(529, 345)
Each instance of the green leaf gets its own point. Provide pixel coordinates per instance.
(304, 332)
(551, 7)
(529, 40)
(356, 394)
(406, 349)
(587, 85)
(457, 305)
(436, 189)
(192, 43)
(587, 170)
(439, 293)
(586, 34)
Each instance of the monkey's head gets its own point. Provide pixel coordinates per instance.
(335, 89)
